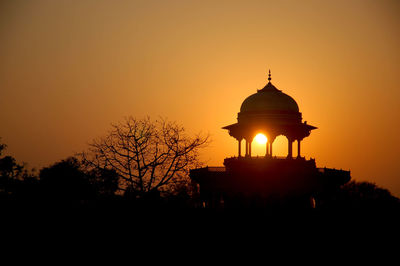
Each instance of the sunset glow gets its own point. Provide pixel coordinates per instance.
(69, 69)
(260, 138)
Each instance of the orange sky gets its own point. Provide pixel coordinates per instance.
(70, 68)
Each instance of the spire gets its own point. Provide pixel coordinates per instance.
(269, 86)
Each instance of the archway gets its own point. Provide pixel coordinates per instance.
(280, 146)
(259, 144)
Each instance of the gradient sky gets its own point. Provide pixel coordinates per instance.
(70, 68)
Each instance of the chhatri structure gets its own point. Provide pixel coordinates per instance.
(273, 113)
(246, 181)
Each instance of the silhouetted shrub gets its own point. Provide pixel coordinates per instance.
(361, 197)
(65, 181)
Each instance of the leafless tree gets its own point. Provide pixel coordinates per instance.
(147, 155)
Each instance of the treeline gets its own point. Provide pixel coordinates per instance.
(68, 184)
(145, 164)
(139, 162)
(359, 198)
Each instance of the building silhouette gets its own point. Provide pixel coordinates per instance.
(267, 181)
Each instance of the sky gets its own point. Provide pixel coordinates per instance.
(69, 68)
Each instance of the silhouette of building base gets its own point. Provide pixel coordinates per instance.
(265, 182)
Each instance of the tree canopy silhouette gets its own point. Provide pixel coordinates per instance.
(148, 156)
(10, 169)
(15, 178)
(362, 197)
(65, 180)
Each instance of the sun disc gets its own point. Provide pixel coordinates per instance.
(261, 138)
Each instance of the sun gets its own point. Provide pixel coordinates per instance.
(261, 138)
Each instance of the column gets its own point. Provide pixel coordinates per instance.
(290, 148)
(250, 147)
(298, 149)
(240, 148)
(247, 148)
(266, 149)
(270, 148)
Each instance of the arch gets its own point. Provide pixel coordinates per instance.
(257, 148)
(280, 146)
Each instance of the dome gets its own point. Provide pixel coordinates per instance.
(269, 99)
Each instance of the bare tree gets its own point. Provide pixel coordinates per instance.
(147, 155)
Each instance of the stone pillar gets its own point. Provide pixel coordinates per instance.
(270, 148)
(240, 148)
(290, 154)
(298, 149)
(271, 140)
(250, 148)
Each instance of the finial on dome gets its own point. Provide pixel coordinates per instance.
(269, 75)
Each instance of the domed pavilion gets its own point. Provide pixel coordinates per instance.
(267, 181)
(272, 113)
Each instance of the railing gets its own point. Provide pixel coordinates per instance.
(267, 157)
(331, 170)
(216, 168)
